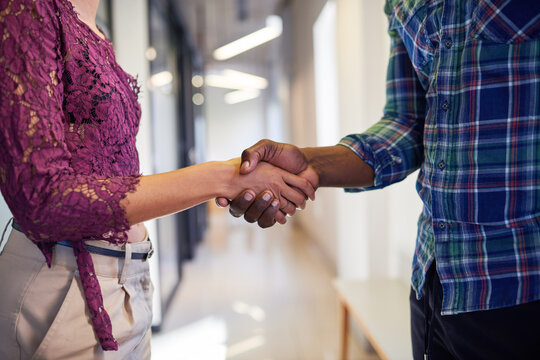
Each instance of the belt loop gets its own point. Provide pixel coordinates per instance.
(2, 245)
(127, 260)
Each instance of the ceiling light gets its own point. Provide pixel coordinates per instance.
(151, 54)
(197, 81)
(232, 79)
(198, 99)
(161, 79)
(272, 30)
(239, 96)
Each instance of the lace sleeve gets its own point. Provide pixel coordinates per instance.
(48, 198)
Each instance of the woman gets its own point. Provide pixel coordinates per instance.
(69, 173)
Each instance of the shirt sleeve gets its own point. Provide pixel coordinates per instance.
(50, 201)
(393, 146)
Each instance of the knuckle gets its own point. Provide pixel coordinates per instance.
(293, 204)
(234, 213)
(265, 142)
(260, 206)
(253, 214)
(235, 208)
(240, 205)
(267, 222)
(245, 153)
(267, 218)
(249, 219)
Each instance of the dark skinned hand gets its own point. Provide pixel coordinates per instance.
(260, 208)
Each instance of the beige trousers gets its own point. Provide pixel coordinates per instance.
(43, 314)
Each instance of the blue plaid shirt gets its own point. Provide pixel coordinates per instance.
(463, 105)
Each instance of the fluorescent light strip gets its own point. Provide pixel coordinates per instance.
(238, 96)
(232, 79)
(161, 79)
(219, 81)
(273, 29)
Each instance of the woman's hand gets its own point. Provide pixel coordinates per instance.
(288, 189)
(252, 205)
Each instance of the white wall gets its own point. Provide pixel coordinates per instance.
(130, 28)
(302, 15)
(5, 215)
(368, 234)
(362, 55)
(232, 128)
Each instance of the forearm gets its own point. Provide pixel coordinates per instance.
(171, 192)
(338, 166)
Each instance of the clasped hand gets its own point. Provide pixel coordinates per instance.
(286, 184)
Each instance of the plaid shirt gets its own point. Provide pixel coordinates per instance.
(463, 105)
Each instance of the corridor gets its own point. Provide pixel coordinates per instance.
(254, 294)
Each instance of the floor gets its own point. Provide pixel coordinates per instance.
(254, 294)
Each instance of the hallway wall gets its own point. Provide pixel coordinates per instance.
(130, 27)
(231, 128)
(365, 235)
(302, 15)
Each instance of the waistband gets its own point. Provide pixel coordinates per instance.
(100, 247)
(106, 266)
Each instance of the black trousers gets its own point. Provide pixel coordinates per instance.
(507, 333)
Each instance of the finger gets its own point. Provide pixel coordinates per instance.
(267, 218)
(281, 218)
(300, 183)
(289, 208)
(297, 198)
(301, 206)
(240, 204)
(261, 203)
(312, 176)
(222, 202)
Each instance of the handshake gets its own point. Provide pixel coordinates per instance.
(276, 179)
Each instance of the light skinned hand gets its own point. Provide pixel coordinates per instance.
(256, 207)
(276, 187)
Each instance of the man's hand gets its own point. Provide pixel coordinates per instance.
(332, 166)
(286, 156)
(262, 208)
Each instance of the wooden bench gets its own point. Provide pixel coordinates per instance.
(381, 309)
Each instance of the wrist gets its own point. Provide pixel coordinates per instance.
(338, 166)
(228, 178)
(316, 164)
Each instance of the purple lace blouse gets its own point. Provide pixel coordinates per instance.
(68, 120)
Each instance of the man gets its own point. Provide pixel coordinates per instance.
(463, 105)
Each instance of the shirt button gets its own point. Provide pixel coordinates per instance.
(441, 165)
(445, 105)
(442, 226)
(448, 43)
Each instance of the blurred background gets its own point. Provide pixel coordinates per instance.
(307, 72)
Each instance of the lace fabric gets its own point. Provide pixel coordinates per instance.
(68, 120)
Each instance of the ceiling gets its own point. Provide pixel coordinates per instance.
(214, 23)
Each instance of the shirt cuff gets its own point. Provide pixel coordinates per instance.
(381, 160)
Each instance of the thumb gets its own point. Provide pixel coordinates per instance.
(253, 155)
(248, 165)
